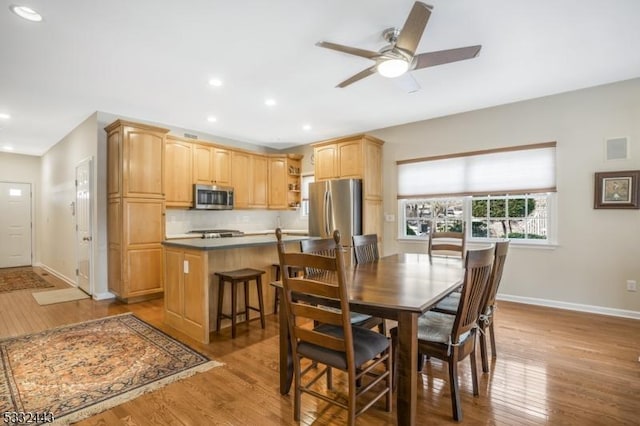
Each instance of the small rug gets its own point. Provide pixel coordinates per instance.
(12, 279)
(58, 296)
(76, 371)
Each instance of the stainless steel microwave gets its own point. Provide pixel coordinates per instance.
(211, 197)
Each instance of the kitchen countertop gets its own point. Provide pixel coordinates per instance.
(230, 243)
(248, 233)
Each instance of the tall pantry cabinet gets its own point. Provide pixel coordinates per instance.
(135, 209)
(355, 157)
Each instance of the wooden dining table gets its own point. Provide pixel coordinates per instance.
(399, 287)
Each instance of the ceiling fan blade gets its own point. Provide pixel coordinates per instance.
(440, 57)
(407, 83)
(411, 33)
(347, 49)
(362, 74)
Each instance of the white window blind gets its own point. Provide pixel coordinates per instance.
(517, 170)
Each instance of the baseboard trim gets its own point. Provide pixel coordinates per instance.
(571, 306)
(57, 274)
(104, 296)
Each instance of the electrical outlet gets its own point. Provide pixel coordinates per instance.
(632, 285)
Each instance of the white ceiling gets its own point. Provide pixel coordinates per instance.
(152, 60)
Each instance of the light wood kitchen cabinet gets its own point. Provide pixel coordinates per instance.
(326, 162)
(284, 182)
(355, 157)
(135, 210)
(249, 178)
(186, 305)
(211, 165)
(135, 160)
(278, 182)
(177, 172)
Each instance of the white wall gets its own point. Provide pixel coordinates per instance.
(597, 249)
(57, 237)
(24, 169)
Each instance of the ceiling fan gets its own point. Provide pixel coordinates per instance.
(399, 57)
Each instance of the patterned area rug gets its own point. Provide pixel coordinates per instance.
(20, 279)
(80, 370)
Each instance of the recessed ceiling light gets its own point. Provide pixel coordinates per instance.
(5, 116)
(26, 13)
(211, 119)
(306, 127)
(7, 148)
(215, 82)
(270, 102)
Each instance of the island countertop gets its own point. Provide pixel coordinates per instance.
(230, 243)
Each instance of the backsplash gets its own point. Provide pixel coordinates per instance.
(182, 221)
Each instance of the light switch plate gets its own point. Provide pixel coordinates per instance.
(185, 266)
(389, 217)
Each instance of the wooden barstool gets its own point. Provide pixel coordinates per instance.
(234, 277)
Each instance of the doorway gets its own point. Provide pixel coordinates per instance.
(84, 237)
(15, 224)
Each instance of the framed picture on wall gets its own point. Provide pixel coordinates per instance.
(617, 190)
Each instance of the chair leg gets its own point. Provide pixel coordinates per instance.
(234, 297)
(260, 301)
(474, 372)
(492, 336)
(329, 378)
(382, 327)
(276, 299)
(389, 381)
(420, 365)
(456, 406)
(246, 302)
(298, 392)
(483, 349)
(220, 296)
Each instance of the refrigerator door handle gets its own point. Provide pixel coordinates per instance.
(326, 213)
(329, 214)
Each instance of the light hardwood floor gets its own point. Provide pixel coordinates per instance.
(554, 367)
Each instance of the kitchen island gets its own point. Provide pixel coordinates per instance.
(190, 297)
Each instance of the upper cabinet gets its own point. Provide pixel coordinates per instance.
(211, 165)
(249, 178)
(284, 181)
(178, 159)
(326, 162)
(135, 160)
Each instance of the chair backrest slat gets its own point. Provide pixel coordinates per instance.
(477, 272)
(322, 246)
(366, 248)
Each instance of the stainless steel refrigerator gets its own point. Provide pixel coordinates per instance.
(335, 204)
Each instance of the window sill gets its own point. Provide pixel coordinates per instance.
(479, 243)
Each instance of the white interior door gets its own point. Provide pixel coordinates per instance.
(84, 243)
(15, 224)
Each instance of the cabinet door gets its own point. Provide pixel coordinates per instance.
(326, 159)
(372, 170)
(260, 171)
(177, 173)
(202, 164)
(350, 159)
(143, 163)
(241, 178)
(221, 166)
(174, 282)
(194, 287)
(278, 183)
(372, 219)
(114, 163)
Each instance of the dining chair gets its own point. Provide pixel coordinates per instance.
(365, 248)
(446, 243)
(452, 338)
(449, 304)
(327, 247)
(334, 342)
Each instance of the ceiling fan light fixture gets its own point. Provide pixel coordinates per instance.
(26, 13)
(393, 68)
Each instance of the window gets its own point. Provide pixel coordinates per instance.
(501, 193)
